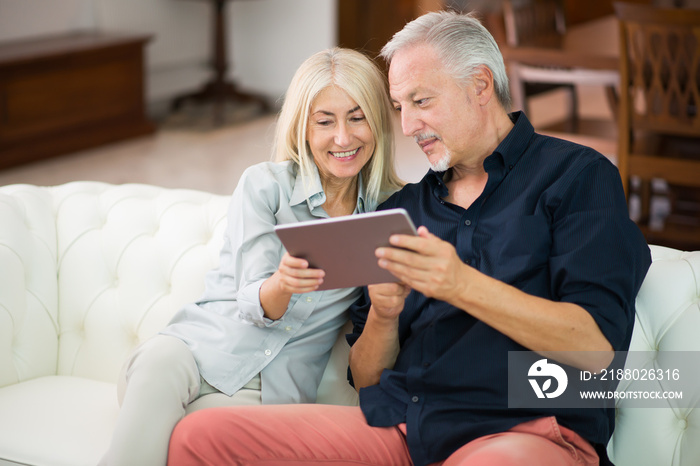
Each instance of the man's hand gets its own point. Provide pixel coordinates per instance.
(425, 263)
(378, 346)
(388, 299)
(431, 266)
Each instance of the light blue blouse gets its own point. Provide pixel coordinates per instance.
(226, 329)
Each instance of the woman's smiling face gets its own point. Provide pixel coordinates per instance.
(339, 135)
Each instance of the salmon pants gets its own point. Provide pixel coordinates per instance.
(315, 434)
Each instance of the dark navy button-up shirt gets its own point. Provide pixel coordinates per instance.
(552, 221)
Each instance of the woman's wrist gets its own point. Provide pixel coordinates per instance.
(273, 298)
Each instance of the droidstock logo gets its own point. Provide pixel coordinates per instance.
(545, 371)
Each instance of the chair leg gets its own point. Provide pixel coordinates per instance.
(645, 197)
(573, 106)
(517, 91)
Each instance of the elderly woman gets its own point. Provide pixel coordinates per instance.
(261, 333)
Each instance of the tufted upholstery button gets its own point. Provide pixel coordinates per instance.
(207, 236)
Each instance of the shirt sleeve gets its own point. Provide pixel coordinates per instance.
(599, 257)
(251, 251)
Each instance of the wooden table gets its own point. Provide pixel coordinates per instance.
(219, 89)
(69, 92)
(593, 45)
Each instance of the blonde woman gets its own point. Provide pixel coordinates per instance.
(261, 333)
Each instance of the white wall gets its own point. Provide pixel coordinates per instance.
(268, 38)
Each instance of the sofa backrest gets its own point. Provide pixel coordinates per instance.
(89, 270)
(668, 319)
(129, 256)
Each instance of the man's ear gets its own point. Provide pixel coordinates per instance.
(483, 84)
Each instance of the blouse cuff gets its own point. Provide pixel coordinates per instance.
(249, 306)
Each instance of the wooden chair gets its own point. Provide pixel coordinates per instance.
(659, 122)
(541, 24)
(538, 23)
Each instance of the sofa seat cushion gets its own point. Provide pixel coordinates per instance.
(56, 420)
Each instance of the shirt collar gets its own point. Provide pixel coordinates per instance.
(506, 154)
(313, 192)
(516, 141)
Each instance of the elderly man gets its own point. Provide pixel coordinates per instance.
(525, 244)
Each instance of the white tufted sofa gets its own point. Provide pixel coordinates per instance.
(88, 270)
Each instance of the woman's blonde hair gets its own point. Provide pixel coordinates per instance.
(357, 75)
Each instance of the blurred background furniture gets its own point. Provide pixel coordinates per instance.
(542, 54)
(538, 23)
(67, 92)
(219, 90)
(659, 124)
(366, 25)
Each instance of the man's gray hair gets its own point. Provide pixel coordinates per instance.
(462, 43)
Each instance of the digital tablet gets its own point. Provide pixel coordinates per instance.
(344, 247)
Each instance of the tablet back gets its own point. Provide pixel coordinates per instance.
(344, 246)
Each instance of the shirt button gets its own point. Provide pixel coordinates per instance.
(467, 222)
(288, 328)
(414, 398)
(309, 299)
(268, 352)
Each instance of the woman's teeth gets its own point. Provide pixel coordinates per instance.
(342, 155)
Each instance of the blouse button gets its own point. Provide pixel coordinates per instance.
(309, 299)
(268, 352)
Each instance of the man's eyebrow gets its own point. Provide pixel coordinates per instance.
(411, 96)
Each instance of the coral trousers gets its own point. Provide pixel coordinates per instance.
(296, 435)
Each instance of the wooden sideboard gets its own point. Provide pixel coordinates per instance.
(70, 92)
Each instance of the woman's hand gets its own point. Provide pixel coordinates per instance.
(292, 276)
(295, 276)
